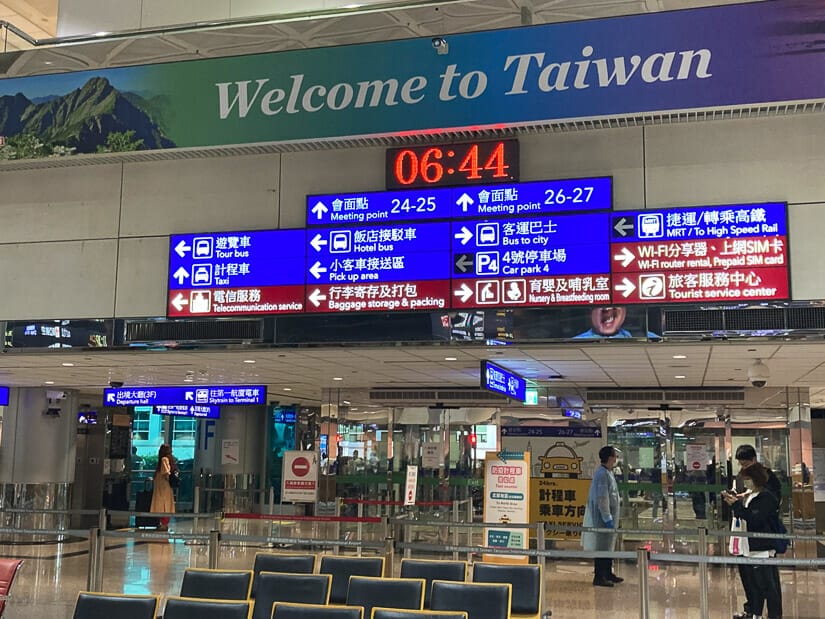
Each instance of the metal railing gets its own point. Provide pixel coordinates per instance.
(384, 540)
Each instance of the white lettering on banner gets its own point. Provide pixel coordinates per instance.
(529, 70)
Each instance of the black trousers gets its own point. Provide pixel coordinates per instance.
(765, 588)
(747, 585)
(602, 569)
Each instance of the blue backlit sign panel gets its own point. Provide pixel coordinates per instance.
(699, 254)
(4, 396)
(503, 381)
(403, 266)
(201, 411)
(509, 199)
(533, 261)
(226, 273)
(216, 395)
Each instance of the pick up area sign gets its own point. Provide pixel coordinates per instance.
(300, 479)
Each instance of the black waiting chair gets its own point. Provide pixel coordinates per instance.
(121, 605)
(341, 568)
(395, 613)
(284, 563)
(316, 611)
(480, 600)
(216, 584)
(388, 592)
(290, 588)
(431, 570)
(200, 608)
(527, 582)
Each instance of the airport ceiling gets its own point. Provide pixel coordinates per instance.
(349, 23)
(300, 374)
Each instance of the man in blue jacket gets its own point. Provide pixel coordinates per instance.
(602, 512)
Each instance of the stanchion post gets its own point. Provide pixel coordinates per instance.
(196, 507)
(94, 578)
(455, 530)
(541, 545)
(360, 527)
(470, 516)
(642, 561)
(703, 573)
(336, 548)
(389, 549)
(214, 548)
(102, 520)
(271, 500)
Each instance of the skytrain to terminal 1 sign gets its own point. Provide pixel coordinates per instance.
(717, 253)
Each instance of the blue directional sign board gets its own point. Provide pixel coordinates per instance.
(509, 199)
(358, 268)
(4, 396)
(216, 395)
(503, 381)
(201, 411)
(219, 274)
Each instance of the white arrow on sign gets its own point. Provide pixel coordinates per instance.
(316, 270)
(181, 248)
(623, 226)
(625, 256)
(320, 209)
(626, 287)
(318, 242)
(464, 293)
(178, 302)
(181, 274)
(110, 397)
(464, 236)
(316, 297)
(188, 395)
(464, 201)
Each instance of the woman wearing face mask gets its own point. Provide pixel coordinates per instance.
(758, 507)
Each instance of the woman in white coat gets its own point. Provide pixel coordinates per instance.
(602, 512)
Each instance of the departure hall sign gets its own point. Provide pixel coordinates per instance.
(532, 244)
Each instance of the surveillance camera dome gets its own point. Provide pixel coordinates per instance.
(438, 42)
(758, 374)
(115, 384)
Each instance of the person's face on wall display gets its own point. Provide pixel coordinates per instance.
(607, 320)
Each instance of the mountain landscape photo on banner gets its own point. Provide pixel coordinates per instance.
(96, 117)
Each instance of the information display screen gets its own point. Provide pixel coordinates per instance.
(218, 395)
(509, 199)
(701, 254)
(226, 273)
(4, 396)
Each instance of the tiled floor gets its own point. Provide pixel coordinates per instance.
(53, 574)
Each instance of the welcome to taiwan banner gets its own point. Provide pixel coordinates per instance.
(721, 56)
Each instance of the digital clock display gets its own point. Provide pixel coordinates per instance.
(468, 163)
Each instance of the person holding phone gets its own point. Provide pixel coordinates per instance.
(758, 507)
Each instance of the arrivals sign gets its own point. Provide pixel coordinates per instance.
(218, 395)
(201, 411)
(673, 60)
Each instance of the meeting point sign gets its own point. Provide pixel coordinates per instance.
(746, 54)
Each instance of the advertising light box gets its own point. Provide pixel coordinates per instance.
(535, 261)
(701, 254)
(508, 199)
(227, 273)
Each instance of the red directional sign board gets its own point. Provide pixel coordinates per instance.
(728, 253)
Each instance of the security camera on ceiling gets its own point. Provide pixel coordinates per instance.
(758, 374)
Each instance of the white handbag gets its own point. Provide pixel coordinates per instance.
(738, 545)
